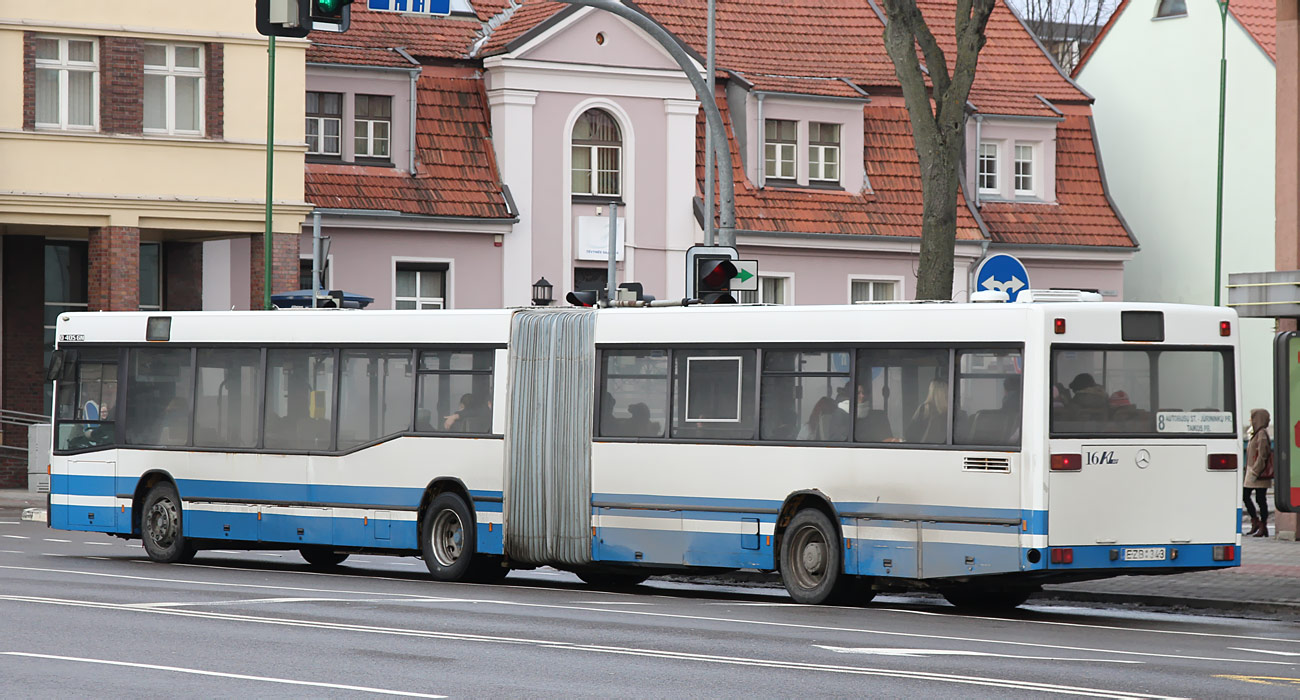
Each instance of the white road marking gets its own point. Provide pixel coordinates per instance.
(609, 602)
(137, 545)
(100, 558)
(894, 651)
(51, 539)
(257, 601)
(627, 651)
(9, 551)
(99, 544)
(1267, 651)
(218, 674)
(223, 551)
(10, 522)
(16, 537)
(661, 615)
(267, 554)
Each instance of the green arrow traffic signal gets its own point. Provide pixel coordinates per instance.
(744, 275)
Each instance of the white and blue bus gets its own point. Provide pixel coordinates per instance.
(979, 450)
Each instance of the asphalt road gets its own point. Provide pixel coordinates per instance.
(85, 614)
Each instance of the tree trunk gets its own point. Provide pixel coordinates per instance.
(939, 188)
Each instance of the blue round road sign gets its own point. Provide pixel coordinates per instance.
(1002, 273)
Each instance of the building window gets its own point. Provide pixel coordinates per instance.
(1024, 169)
(374, 119)
(324, 120)
(872, 290)
(173, 89)
(67, 83)
(421, 286)
(1172, 8)
(988, 168)
(771, 290)
(151, 277)
(780, 140)
(597, 154)
(824, 152)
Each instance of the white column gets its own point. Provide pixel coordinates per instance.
(512, 139)
(679, 167)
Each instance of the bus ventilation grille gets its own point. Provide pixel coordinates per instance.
(987, 464)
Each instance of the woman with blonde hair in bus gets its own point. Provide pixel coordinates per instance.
(1259, 473)
(930, 421)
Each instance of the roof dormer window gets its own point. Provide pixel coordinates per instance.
(780, 143)
(1025, 170)
(988, 168)
(824, 153)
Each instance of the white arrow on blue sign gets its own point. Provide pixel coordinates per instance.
(419, 7)
(1002, 273)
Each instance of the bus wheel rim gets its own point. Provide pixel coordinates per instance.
(162, 523)
(448, 538)
(809, 557)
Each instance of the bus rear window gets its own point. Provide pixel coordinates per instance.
(1160, 392)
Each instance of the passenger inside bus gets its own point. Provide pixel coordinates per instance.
(871, 425)
(930, 421)
(474, 415)
(826, 423)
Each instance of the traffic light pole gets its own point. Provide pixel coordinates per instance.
(270, 161)
(718, 134)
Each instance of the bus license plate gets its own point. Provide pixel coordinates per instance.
(1145, 554)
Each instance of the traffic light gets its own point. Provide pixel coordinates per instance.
(334, 12)
(713, 280)
(584, 297)
(283, 18)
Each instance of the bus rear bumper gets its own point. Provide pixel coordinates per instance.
(1141, 558)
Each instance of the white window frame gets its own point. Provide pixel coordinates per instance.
(759, 296)
(329, 269)
(63, 65)
(983, 158)
(171, 72)
(444, 301)
(320, 129)
(740, 386)
(370, 130)
(817, 166)
(596, 171)
(783, 153)
(895, 283)
(1016, 177)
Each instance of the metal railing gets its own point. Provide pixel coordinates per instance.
(22, 419)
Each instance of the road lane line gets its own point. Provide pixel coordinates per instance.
(663, 615)
(51, 539)
(218, 674)
(10, 522)
(1007, 683)
(1267, 651)
(16, 537)
(100, 544)
(922, 653)
(9, 551)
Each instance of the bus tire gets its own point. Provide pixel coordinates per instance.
(447, 538)
(162, 529)
(811, 560)
(322, 557)
(986, 599)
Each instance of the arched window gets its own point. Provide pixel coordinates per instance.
(597, 155)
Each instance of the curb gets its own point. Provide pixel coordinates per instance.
(35, 514)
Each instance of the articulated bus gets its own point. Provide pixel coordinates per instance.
(979, 450)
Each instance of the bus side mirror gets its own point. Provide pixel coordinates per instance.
(62, 367)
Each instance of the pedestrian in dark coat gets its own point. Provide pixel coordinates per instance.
(1259, 477)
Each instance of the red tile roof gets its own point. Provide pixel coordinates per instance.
(456, 173)
(422, 37)
(524, 19)
(1259, 19)
(828, 87)
(1082, 215)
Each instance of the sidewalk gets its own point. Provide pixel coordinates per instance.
(1267, 582)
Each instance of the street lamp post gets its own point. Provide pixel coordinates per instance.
(1223, 97)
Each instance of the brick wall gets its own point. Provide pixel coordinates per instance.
(21, 321)
(121, 85)
(29, 81)
(114, 268)
(284, 266)
(183, 276)
(215, 90)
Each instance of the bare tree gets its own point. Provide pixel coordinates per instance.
(938, 117)
(1065, 27)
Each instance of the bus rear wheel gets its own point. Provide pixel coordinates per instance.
(447, 538)
(986, 599)
(811, 560)
(162, 528)
(322, 557)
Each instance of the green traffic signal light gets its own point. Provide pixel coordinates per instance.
(328, 6)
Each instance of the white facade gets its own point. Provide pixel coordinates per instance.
(1156, 84)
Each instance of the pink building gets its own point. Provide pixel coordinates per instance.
(455, 161)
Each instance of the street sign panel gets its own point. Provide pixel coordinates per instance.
(1002, 273)
(419, 7)
(746, 279)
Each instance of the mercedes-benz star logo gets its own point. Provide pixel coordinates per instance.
(1143, 459)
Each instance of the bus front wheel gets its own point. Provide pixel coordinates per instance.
(162, 526)
(447, 538)
(811, 560)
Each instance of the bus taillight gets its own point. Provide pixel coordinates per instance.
(1225, 328)
(1058, 325)
(1225, 552)
(1062, 555)
(1068, 463)
(1226, 462)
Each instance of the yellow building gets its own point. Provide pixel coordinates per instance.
(130, 132)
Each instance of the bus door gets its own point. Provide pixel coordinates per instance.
(299, 420)
(83, 485)
(1144, 446)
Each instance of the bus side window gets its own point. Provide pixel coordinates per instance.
(299, 399)
(714, 394)
(634, 402)
(989, 397)
(376, 394)
(454, 392)
(901, 395)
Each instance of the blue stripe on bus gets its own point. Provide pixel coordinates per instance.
(1094, 557)
(77, 485)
